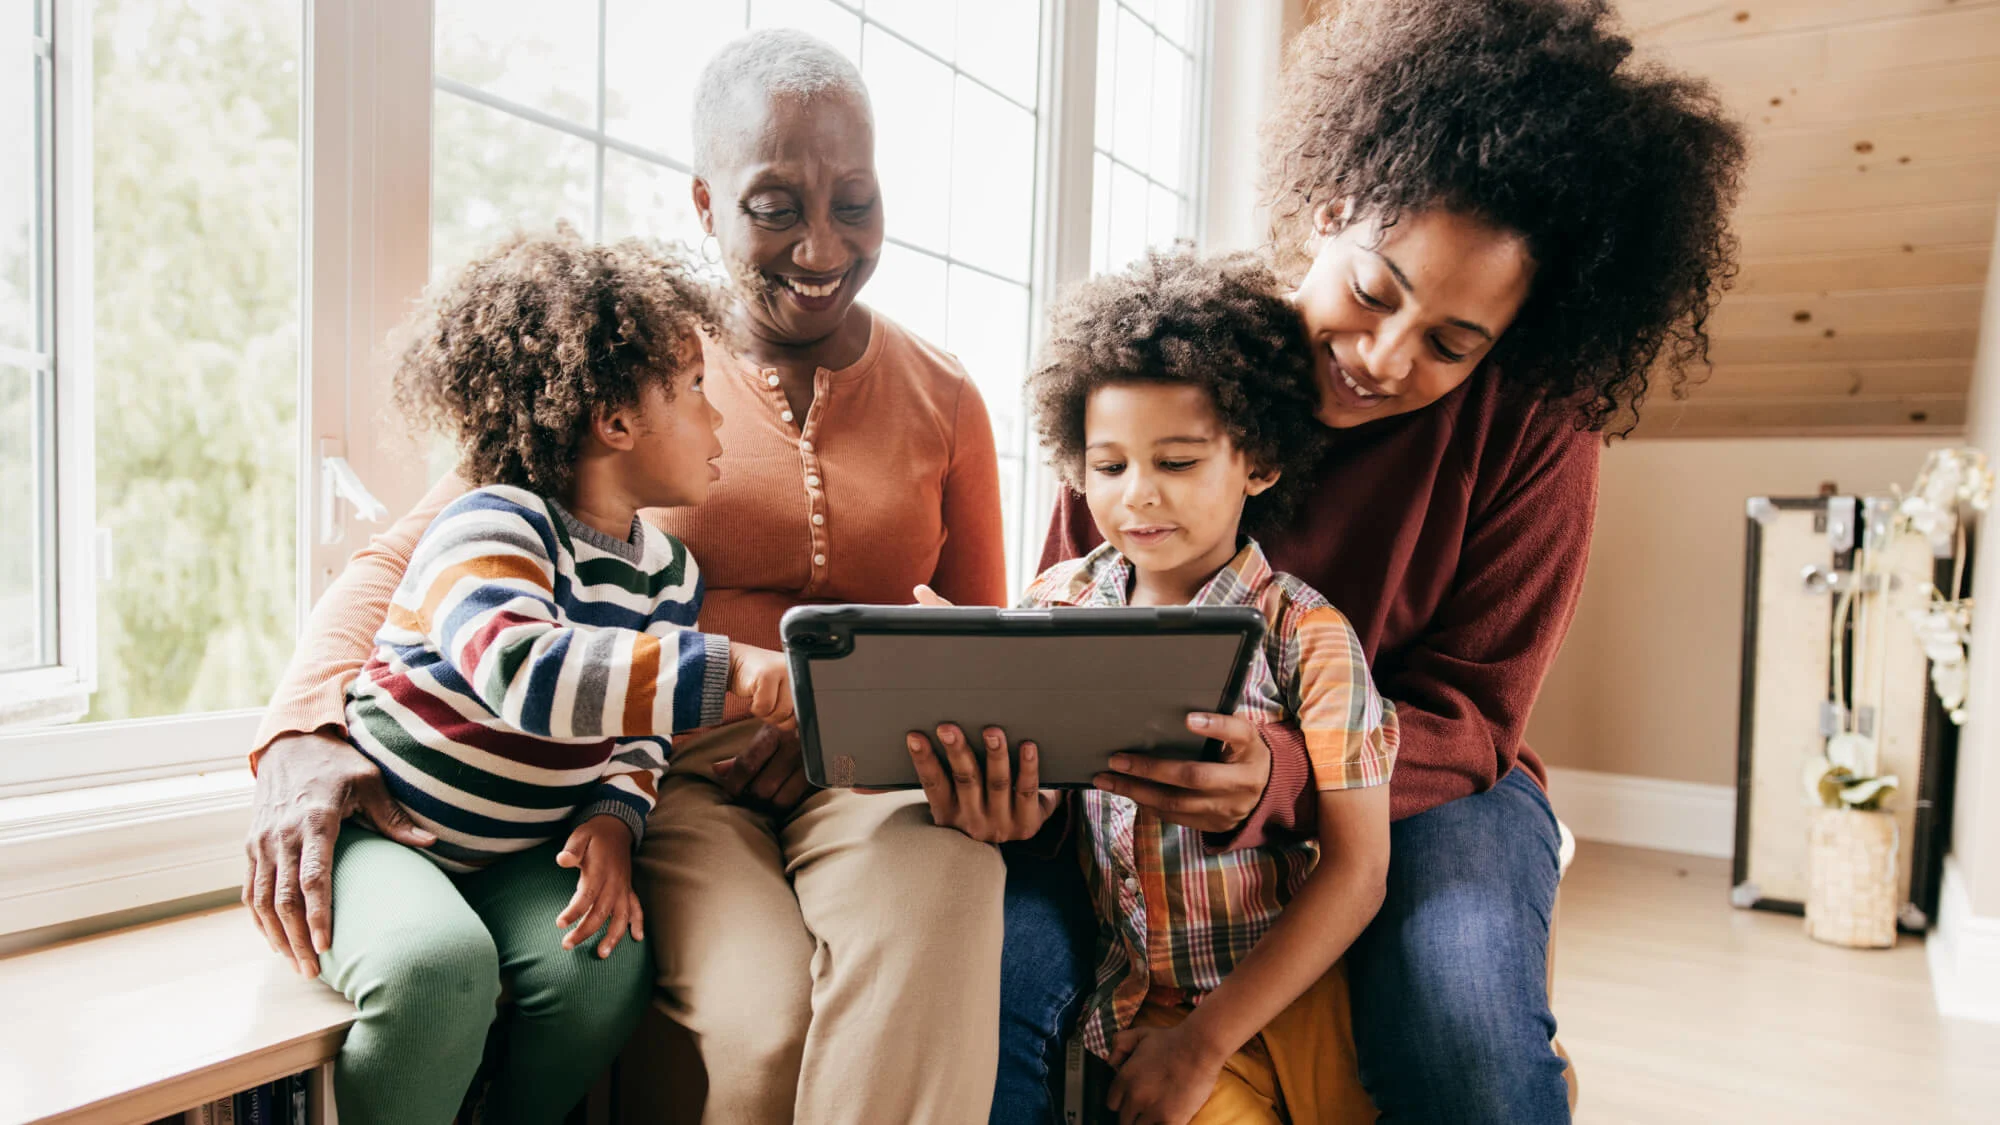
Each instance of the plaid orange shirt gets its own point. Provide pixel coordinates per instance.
(1174, 919)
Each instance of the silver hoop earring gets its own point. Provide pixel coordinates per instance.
(711, 250)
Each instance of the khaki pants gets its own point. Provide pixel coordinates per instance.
(840, 964)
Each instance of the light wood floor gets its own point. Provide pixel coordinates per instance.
(1678, 1008)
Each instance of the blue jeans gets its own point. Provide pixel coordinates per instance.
(1449, 985)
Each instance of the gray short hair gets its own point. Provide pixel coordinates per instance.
(774, 61)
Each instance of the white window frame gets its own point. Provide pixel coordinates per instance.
(365, 211)
(112, 817)
(61, 691)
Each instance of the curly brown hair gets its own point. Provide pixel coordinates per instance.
(516, 354)
(1531, 115)
(1218, 322)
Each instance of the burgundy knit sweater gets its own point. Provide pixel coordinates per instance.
(1454, 538)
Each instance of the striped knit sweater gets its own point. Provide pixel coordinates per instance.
(529, 674)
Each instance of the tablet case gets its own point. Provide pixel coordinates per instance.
(1082, 684)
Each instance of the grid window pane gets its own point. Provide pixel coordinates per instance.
(197, 350)
(1148, 129)
(912, 94)
(931, 24)
(993, 182)
(1132, 113)
(999, 43)
(22, 591)
(20, 176)
(1107, 71)
(1163, 217)
(649, 96)
(493, 172)
(1012, 473)
(988, 331)
(646, 200)
(541, 55)
(1131, 196)
(1172, 116)
(829, 21)
(1100, 210)
(909, 287)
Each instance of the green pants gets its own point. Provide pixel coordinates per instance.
(423, 955)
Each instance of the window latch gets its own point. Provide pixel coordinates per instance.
(339, 482)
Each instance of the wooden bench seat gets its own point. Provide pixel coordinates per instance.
(131, 1026)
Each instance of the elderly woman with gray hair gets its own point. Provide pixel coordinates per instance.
(799, 937)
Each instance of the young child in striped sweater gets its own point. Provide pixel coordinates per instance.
(541, 649)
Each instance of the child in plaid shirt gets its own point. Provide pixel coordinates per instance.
(1178, 399)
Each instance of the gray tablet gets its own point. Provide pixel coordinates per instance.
(1082, 684)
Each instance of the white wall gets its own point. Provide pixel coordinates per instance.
(1648, 681)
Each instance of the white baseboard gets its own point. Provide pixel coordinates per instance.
(1646, 812)
(1964, 953)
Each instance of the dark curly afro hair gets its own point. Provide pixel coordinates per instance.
(515, 355)
(1531, 115)
(1219, 322)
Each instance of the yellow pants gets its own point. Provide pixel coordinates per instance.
(1300, 1070)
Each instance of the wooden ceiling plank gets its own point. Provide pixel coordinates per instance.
(1879, 142)
(1835, 380)
(1959, 35)
(1690, 419)
(1954, 343)
(1776, 99)
(1864, 231)
(1700, 21)
(1915, 266)
(1869, 184)
(1804, 314)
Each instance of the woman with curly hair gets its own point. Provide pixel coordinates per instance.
(796, 936)
(1502, 229)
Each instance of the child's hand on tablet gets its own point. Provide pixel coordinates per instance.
(763, 679)
(927, 596)
(977, 793)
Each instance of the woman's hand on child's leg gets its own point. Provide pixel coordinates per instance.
(1165, 1075)
(601, 848)
(982, 799)
(307, 784)
(768, 774)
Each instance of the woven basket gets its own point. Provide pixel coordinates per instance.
(1851, 892)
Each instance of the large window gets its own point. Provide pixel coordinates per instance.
(164, 450)
(148, 454)
(580, 110)
(212, 212)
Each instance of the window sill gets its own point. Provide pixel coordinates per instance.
(84, 852)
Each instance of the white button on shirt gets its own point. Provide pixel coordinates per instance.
(818, 519)
(812, 481)
(787, 415)
(807, 446)
(819, 560)
(771, 379)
